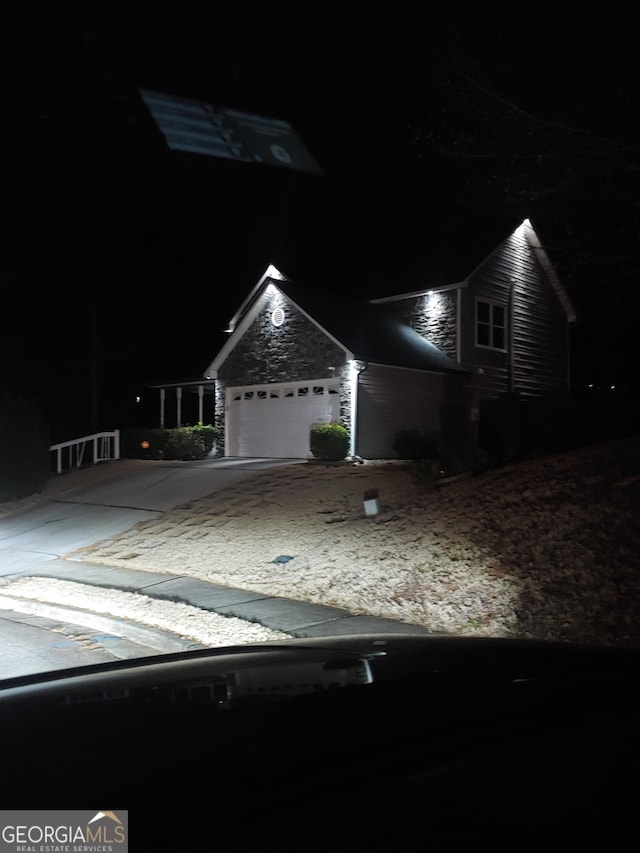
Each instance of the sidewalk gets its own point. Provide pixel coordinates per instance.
(279, 615)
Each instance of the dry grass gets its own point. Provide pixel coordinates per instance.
(546, 548)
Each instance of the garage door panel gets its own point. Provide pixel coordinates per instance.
(274, 421)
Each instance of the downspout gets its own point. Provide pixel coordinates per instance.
(568, 359)
(513, 436)
(227, 431)
(512, 381)
(459, 326)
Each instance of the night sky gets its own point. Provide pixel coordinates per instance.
(438, 128)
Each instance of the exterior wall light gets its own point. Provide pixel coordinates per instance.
(435, 303)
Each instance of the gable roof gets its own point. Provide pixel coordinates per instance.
(370, 333)
(458, 279)
(365, 331)
(545, 262)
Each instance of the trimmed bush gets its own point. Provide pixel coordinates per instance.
(207, 434)
(24, 448)
(329, 442)
(181, 443)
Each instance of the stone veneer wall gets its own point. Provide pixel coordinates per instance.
(293, 352)
(433, 315)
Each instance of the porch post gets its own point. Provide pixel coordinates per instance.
(200, 404)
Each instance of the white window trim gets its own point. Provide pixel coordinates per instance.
(314, 388)
(492, 304)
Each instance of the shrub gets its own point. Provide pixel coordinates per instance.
(455, 446)
(24, 448)
(512, 427)
(412, 444)
(207, 434)
(142, 443)
(182, 443)
(329, 442)
(426, 473)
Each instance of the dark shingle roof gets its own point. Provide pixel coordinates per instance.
(370, 331)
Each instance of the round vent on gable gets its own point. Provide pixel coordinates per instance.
(277, 317)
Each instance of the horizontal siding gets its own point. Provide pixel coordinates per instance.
(490, 367)
(537, 357)
(540, 345)
(390, 401)
(490, 381)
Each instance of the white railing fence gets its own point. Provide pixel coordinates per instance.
(71, 454)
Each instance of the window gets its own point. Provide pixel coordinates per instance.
(491, 325)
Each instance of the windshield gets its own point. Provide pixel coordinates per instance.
(319, 447)
(319, 357)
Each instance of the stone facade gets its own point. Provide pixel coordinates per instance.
(294, 351)
(433, 315)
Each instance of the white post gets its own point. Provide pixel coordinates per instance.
(200, 404)
(179, 406)
(162, 399)
(116, 444)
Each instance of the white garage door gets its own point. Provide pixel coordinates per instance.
(274, 420)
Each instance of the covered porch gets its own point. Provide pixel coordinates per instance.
(187, 401)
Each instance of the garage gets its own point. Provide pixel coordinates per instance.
(273, 421)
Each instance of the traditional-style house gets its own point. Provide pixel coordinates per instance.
(390, 366)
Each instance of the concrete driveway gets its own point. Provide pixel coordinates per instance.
(42, 632)
(78, 509)
(161, 486)
(122, 496)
